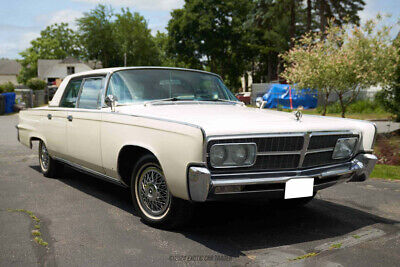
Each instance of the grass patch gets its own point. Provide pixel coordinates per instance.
(356, 236)
(308, 255)
(338, 245)
(360, 110)
(35, 232)
(40, 241)
(383, 171)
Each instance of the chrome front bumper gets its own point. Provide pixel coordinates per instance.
(203, 185)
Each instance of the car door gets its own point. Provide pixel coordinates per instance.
(83, 126)
(55, 120)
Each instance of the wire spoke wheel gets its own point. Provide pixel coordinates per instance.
(152, 192)
(44, 157)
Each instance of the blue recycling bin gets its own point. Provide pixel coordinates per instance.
(9, 102)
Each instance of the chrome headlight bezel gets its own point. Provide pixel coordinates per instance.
(342, 144)
(230, 148)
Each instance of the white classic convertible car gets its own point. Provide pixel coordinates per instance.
(176, 136)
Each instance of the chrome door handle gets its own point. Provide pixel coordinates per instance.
(69, 118)
(49, 116)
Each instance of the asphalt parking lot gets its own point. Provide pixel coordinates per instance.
(88, 222)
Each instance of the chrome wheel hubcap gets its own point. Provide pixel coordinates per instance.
(44, 157)
(153, 193)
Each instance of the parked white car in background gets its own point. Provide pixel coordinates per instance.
(176, 136)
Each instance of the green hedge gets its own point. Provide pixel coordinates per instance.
(6, 87)
(360, 106)
(36, 84)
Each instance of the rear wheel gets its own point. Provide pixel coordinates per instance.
(48, 166)
(152, 198)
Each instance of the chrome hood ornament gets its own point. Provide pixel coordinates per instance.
(298, 113)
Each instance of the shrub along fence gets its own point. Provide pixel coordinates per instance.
(32, 98)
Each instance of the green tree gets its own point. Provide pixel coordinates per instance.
(210, 34)
(95, 31)
(344, 60)
(134, 40)
(162, 40)
(55, 42)
(390, 95)
(339, 11)
(273, 26)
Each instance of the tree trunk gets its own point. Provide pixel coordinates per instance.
(322, 15)
(246, 82)
(342, 104)
(308, 15)
(269, 66)
(292, 28)
(325, 103)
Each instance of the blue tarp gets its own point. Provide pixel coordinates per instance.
(287, 97)
(10, 102)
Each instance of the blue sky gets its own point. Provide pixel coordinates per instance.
(22, 20)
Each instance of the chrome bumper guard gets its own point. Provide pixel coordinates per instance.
(201, 182)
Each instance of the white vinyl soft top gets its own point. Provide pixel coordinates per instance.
(55, 102)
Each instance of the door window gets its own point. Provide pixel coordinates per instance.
(91, 93)
(71, 94)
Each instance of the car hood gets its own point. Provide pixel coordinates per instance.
(228, 119)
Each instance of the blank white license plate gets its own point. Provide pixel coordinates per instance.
(296, 188)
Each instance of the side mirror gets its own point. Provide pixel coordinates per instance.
(111, 101)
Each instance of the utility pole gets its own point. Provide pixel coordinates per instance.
(125, 59)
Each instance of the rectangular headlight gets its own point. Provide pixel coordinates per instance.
(233, 155)
(344, 148)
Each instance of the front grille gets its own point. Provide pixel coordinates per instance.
(265, 144)
(326, 141)
(286, 152)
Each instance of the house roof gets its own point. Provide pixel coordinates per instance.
(45, 66)
(9, 67)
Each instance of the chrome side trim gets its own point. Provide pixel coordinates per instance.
(91, 172)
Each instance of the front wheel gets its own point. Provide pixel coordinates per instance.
(48, 166)
(151, 196)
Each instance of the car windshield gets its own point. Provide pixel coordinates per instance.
(142, 85)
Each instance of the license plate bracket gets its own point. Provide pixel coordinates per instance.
(297, 188)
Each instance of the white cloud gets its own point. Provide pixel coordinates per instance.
(12, 46)
(154, 5)
(67, 15)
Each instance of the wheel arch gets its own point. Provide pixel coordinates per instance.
(34, 138)
(127, 157)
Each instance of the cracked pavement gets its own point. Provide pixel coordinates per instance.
(89, 222)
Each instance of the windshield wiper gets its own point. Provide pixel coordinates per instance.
(163, 100)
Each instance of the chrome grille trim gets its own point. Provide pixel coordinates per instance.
(307, 137)
(271, 153)
(319, 150)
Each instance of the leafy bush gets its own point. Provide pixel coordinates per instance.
(6, 87)
(389, 97)
(36, 84)
(360, 106)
